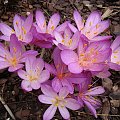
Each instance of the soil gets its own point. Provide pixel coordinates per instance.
(25, 105)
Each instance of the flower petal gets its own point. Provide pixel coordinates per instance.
(75, 67)
(26, 85)
(45, 99)
(64, 112)
(53, 22)
(44, 76)
(72, 28)
(22, 74)
(63, 92)
(68, 56)
(72, 104)
(47, 90)
(49, 113)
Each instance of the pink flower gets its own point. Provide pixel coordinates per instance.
(14, 56)
(90, 57)
(62, 76)
(115, 57)
(93, 26)
(86, 96)
(21, 29)
(34, 74)
(60, 101)
(66, 41)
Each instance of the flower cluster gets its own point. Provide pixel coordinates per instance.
(80, 53)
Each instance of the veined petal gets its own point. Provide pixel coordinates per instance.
(5, 29)
(22, 74)
(45, 99)
(53, 22)
(72, 28)
(4, 37)
(99, 38)
(47, 90)
(56, 84)
(49, 113)
(95, 91)
(41, 22)
(35, 84)
(64, 112)
(78, 20)
(91, 108)
(15, 68)
(72, 104)
(115, 43)
(28, 22)
(75, 67)
(58, 37)
(44, 76)
(68, 56)
(63, 92)
(28, 37)
(4, 64)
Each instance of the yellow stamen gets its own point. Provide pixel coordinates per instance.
(115, 56)
(24, 30)
(95, 33)
(97, 26)
(90, 23)
(14, 49)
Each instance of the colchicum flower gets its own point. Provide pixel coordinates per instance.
(34, 74)
(115, 57)
(93, 26)
(21, 29)
(86, 96)
(62, 76)
(14, 56)
(90, 57)
(60, 101)
(66, 41)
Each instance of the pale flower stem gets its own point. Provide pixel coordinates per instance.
(7, 108)
(42, 52)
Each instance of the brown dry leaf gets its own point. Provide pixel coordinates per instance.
(107, 13)
(115, 103)
(3, 81)
(22, 113)
(106, 109)
(107, 83)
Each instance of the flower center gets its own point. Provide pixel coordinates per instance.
(14, 61)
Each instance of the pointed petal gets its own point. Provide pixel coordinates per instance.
(22, 74)
(64, 112)
(56, 84)
(99, 38)
(53, 22)
(15, 68)
(45, 99)
(49, 113)
(68, 56)
(72, 28)
(4, 37)
(28, 22)
(95, 91)
(4, 64)
(78, 20)
(47, 90)
(41, 22)
(91, 108)
(28, 37)
(5, 29)
(58, 37)
(63, 92)
(72, 104)
(44, 76)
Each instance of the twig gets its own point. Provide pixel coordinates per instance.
(42, 52)
(7, 108)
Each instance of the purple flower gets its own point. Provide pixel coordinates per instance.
(60, 101)
(93, 26)
(90, 57)
(115, 57)
(14, 56)
(66, 41)
(21, 29)
(34, 74)
(62, 76)
(86, 96)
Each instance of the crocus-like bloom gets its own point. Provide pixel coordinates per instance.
(67, 40)
(93, 26)
(34, 74)
(62, 76)
(21, 29)
(60, 101)
(90, 57)
(14, 56)
(86, 96)
(115, 57)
